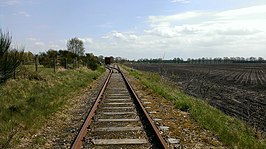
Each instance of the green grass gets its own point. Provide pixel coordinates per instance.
(27, 101)
(231, 131)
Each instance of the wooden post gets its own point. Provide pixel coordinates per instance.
(74, 63)
(65, 63)
(36, 63)
(54, 61)
(77, 62)
(14, 73)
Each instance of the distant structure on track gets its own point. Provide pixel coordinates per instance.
(108, 60)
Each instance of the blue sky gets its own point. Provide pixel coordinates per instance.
(136, 29)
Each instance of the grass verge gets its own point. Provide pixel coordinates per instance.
(231, 131)
(26, 102)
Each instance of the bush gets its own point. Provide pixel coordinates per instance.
(92, 65)
(9, 59)
(92, 61)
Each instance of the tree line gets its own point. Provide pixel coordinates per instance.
(72, 58)
(218, 60)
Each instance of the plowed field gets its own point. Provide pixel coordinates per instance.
(236, 89)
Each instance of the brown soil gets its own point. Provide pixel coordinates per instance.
(236, 89)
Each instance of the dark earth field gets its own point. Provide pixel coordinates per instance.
(236, 89)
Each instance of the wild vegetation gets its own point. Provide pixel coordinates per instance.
(32, 87)
(10, 59)
(25, 103)
(72, 58)
(231, 131)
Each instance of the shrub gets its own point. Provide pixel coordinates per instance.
(9, 59)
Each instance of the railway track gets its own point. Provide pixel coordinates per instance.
(118, 119)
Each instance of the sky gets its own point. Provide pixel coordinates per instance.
(135, 29)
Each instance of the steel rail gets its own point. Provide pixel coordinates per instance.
(77, 144)
(151, 124)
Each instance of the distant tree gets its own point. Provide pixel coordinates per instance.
(226, 60)
(10, 59)
(189, 60)
(252, 59)
(44, 59)
(118, 59)
(260, 59)
(91, 61)
(177, 60)
(101, 58)
(66, 57)
(76, 46)
(52, 53)
(47, 59)
(28, 58)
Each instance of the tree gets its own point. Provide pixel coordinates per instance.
(76, 46)
(10, 59)
(92, 61)
(101, 58)
(260, 59)
(66, 58)
(28, 58)
(48, 59)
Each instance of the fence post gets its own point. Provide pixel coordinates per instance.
(15, 73)
(54, 60)
(74, 63)
(77, 60)
(36, 63)
(65, 63)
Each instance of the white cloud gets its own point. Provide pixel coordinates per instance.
(22, 13)
(176, 17)
(239, 32)
(253, 12)
(54, 46)
(118, 35)
(38, 43)
(87, 40)
(31, 39)
(133, 37)
(64, 41)
(180, 1)
(125, 36)
(9, 2)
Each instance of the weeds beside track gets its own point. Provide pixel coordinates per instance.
(27, 102)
